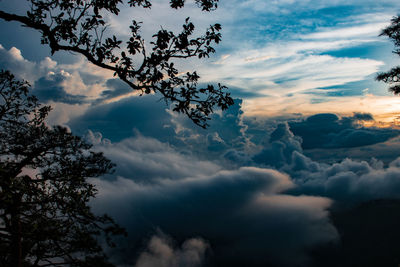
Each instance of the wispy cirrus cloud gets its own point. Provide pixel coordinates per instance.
(371, 30)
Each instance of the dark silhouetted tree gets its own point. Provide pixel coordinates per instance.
(45, 219)
(79, 26)
(392, 77)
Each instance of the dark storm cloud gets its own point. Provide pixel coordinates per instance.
(329, 131)
(150, 117)
(50, 88)
(118, 120)
(240, 213)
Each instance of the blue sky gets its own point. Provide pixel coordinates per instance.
(311, 131)
(292, 54)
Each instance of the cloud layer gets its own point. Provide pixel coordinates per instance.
(247, 189)
(240, 213)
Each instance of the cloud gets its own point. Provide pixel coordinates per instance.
(51, 88)
(293, 67)
(297, 62)
(385, 152)
(147, 160)
(362, 116)
(115, 88)
(182, 150)
(278, 151)
(239, 212)
(384, 108)
(63, 82)
(248, 215)
(328, 131)
(344, 180)
(62, 86)
(348, 181)
(160, 253)
(157, 187)
(284, 7)
(13, 61)
(241, 93)
(118, 120)
(96, 138)
(226, 131)
(148, 116)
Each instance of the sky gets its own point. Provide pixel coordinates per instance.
(275, 180)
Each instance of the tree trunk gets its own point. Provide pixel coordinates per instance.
(16, 233)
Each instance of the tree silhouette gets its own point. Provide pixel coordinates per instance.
(392, 77)
(45, 219)
(79, 26)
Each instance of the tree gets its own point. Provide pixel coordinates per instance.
(392, 77)
(79, 26)
(45, 219)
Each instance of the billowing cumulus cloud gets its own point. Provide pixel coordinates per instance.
(161, 253)
(346, 181)
(50, 88)
(278, 151)
(226, 131)
(151, 117)
(14, 61)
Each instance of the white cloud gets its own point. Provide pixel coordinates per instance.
(297, 64)
(62, 113)
(293, 67)
(367, 30)
(160, 253)
(13, 61)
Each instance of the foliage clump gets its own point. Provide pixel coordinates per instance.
(45, 219)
